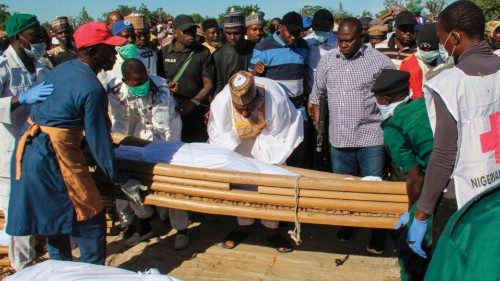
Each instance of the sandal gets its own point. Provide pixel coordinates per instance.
(280, 243)
(235, 236)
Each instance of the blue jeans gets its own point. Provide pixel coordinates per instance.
(89, 235)
(369, 160)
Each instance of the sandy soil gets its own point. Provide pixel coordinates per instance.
(319, 257)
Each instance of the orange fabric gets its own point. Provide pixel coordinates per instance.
(82, 190)
(250, 127)
(410, 65)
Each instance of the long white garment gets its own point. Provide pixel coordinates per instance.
(152, 117)
(474, 102)
(198, 155)
(283, 133)
(14, 80)
(53, 270)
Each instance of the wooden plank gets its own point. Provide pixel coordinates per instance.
(255, 197)
(180, 181)
(278, 215)
(309, 193)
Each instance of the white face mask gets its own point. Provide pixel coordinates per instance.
(388, 110)
(36, 50)
(321, 36)
(448, 58)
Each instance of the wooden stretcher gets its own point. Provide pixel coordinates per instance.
(311, 197)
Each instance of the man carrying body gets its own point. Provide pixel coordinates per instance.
(235, 53)
(65, 50)
(408, 140)
(345, 76)
(426, 62)
(53, 191)
(254, 117)
(143, 107)
(189, 68)
(464, 111)
(255, 27)
(21, 70)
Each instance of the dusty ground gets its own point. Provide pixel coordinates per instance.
(317, 258)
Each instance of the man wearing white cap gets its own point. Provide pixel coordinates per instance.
(254, 117)
(255, 26)
(145, 51)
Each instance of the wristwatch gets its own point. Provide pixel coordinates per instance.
(196, 102)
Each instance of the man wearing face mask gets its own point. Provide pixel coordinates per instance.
(125, 29)
(54, 193)
(320, 42)
(425, 61)
(21, 70)
(235, 54)
(143, 107)
(254, 117)
(464, 113)
(408, 140)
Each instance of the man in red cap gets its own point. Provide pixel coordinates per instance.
(54, 192)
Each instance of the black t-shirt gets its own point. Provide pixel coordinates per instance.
(201, 64)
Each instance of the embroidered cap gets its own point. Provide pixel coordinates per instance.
(234, 19)
(242, 88)
(137, 20)
(255, 17)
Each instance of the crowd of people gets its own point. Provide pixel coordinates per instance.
(398, 97)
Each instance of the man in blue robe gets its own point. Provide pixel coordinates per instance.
(53, 193)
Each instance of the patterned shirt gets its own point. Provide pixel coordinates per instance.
(354, 116)
(316, 52)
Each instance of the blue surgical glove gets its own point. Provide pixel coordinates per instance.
(416, 236)
(36, 94)
(402, 220)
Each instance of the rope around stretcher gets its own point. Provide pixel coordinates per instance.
(295, 233)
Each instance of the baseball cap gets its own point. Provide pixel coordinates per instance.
(94, 33)
(307, 22)
(183, 22)
(405, 17)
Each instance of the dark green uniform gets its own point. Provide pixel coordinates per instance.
(408, 136)
(408, 139)
(469, 247)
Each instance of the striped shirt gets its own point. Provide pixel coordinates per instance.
(284, 64)
(354, 116)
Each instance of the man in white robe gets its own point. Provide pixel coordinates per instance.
(254, 117)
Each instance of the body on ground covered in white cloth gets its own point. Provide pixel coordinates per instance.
(53, 270)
